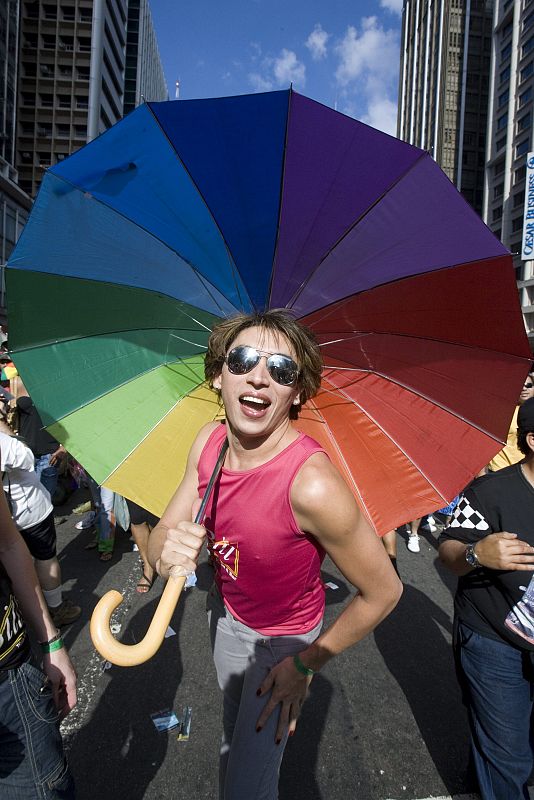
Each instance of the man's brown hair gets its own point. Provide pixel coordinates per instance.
(278, 321)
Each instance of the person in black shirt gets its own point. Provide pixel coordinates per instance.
(33, 701)
(489, 544)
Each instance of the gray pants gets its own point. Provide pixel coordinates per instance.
(249, 761)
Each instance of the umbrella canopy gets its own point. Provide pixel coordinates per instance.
(189, 211)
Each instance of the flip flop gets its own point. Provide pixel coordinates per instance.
(105, 556)
(143, 588)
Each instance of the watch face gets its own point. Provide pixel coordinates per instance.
(470, 556)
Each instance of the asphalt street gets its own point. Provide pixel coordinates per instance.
(384, 721)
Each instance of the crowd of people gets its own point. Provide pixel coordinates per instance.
(277, 500)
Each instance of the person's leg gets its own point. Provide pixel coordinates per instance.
(41, 542)
(105, 522)
(140, 533)
(499, 695)
(389, 540)
(250, 760)
(32, 761)
(413, 537)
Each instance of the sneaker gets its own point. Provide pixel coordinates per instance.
(413, 543)
(65, 613)
(86, 522)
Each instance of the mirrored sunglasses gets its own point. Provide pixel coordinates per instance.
(243, 359)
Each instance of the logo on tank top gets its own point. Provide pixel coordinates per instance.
(226, 554)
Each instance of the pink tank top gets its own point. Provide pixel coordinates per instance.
(267, 568)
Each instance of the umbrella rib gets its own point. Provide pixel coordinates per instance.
(421, 338)
(233, 266)
(147, 434)
(282, 179)
(356, 222)
(207, 285)
(388, 436)
(437, 403)
(341, 457)
(340, 300)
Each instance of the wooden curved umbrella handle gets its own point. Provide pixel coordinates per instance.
(129, 655)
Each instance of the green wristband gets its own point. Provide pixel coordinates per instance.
(51, 647)
(301, 668)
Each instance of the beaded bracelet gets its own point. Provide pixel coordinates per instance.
(300, 666)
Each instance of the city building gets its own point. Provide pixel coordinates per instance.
(72, 71)
(14, 203)
(511, 136)
(144, 78)
(443, 86)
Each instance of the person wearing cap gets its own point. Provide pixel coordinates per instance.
(489, 544)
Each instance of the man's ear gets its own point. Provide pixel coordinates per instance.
(530, 440)
(216, 383)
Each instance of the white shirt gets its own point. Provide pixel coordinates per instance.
(30, 500)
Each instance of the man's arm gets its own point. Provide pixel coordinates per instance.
(18, 564)
(503, 551)
(325, 508)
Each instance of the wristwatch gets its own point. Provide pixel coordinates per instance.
(471, 557)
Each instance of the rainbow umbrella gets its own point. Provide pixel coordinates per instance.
(188, 211)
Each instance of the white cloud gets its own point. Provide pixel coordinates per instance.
(382, 114)
(280, 71)
(367, 73)
(259, 83)
(316, 42)
(374, 51)
(288, 69)
(392, 5)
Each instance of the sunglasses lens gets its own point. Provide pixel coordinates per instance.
(241, 360)
(282, 369)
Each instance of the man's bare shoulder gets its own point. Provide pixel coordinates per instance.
(200, 440)
(319, 489)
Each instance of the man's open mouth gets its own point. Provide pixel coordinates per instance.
(254, 403)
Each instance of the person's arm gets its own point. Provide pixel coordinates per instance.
(14, 453)
(325, 508)
(57, 455)
(503, 551)
(18, 564)
(175, 542)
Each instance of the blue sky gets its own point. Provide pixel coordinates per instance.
(344, 54)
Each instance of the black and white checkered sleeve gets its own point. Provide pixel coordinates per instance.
(468, 523)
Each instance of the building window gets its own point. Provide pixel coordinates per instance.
(527, 47)
(520, 174)
(523, 124)
(496, 214)
(63, 131)
(505, 74)
(498, 191)
(519, 199)
(500, 144)
(517, 224)
(498, 169)
(502, 122)
(527, 71)
(505, 52)
(528, 21)
(503, 98)
(521, 148)
(525, 97)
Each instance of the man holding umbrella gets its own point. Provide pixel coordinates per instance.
(277, 507)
